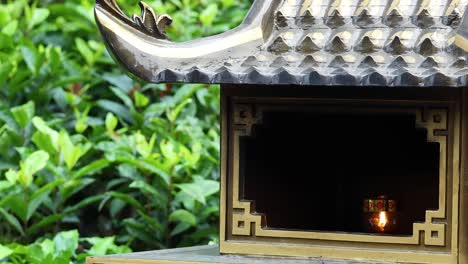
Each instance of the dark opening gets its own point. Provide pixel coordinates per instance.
(311, 171)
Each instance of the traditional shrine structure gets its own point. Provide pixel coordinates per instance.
(344, 128)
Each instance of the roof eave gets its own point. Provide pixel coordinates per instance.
(140, 45)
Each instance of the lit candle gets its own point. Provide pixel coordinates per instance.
(379, 215)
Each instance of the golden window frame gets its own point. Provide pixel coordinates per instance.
(244, 225)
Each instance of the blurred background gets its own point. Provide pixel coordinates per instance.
(93, 162)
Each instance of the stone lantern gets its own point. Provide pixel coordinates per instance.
(344, 128)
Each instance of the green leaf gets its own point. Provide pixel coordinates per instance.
(12, 176)
(33, 163)
(140, 99)
(45, 138)
(5, 185)
(23, 114)
(151, 222)
(92, 168)
(116, 108)
(174, 114)
(139, 231)
(46, 221)
(183, 216)
(40, 253)
(74, 186)
(5, 16)
(122, 81)
(81, 123)
(39, 15)
(11, 220)
(128, 199)
(123, 96)
(5, 252)
(16, 203)
(10, 28)
(54, 55)
(5, 69)
(146, 188)
(180, 227)
(86, 202)
(40, 196)
(85, 51)
(70, 153)
(111, 122)
(227, 3)
(72, 99)
(208, 15)
(193, 190)
(148, 165)
(66, 241)
(18, 249)
(30, 56)
(45, 142)
(169, 152)
(116, 207)
(209, 187)
(144, 147)
(100, 246)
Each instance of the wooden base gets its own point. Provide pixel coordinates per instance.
(203, 255)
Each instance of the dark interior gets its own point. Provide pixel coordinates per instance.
(311, 170)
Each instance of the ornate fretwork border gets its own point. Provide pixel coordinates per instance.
(247, 222)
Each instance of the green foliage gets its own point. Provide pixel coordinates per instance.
(85, 147)
(65, 247)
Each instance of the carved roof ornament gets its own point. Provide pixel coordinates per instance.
(305, 42)
(152, 23)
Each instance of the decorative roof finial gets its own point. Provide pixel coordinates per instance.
(152, 23)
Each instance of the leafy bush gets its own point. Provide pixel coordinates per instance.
(63, 248)
(85, 147)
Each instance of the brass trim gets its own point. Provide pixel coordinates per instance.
(251, 241)
(245, 219)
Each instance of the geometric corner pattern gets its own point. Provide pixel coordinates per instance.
(435, 121)
(247, 222)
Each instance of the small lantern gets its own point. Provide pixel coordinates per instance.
(380, 215)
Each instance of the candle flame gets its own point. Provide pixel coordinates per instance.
(382, 221)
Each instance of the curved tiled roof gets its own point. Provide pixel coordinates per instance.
(306, 42)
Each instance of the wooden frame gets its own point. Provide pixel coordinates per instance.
(438, 110)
